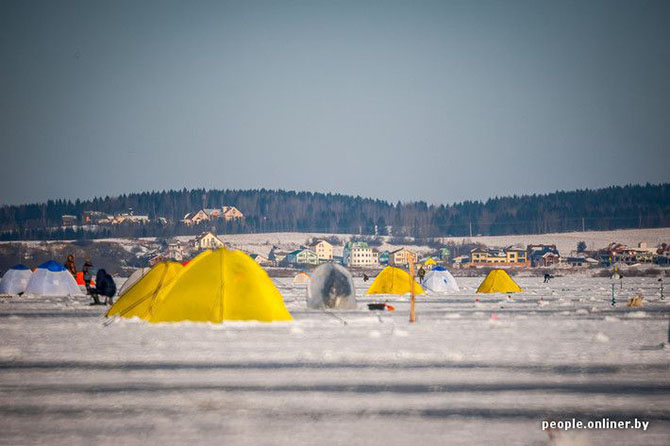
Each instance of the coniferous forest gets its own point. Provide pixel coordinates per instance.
(619, 207)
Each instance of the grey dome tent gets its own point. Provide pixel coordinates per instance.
(331, 287)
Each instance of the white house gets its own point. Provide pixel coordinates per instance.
(175, 251)
(69, 220)
(207, 240)
(95, 218)
(359, 254)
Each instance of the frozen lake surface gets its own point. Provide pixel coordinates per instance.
(467, 372)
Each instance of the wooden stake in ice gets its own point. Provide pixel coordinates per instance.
(412, 316)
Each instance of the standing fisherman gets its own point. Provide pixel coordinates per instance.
(421, 273)
(88, 275)
(70, 265)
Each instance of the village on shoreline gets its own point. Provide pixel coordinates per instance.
(282, 254)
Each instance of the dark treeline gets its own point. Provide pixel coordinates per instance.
(634, 206)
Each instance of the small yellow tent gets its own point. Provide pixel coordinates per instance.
(393, 281)
(138, 298)
(216, 286)
(430, 262)
(498, 281)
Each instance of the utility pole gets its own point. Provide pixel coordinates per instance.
(412, 315)
(583, 224)
(470, 228)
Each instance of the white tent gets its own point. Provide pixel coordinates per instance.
(331, 286)
(301, 278)
(15, 280)
(52, 279)
(132, 280)
(439, 280)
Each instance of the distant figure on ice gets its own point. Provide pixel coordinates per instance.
(87, 273)
(617, 276)
(365, 277)
(104, 286)
(547, 277)
(70, 265)
(421, 273)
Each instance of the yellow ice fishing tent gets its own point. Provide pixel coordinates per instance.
(136, 300)
(215, 286)
(393, 281)
(430, 262)
(498, 281)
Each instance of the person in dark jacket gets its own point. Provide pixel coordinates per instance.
(104, 286)
(87, 272)
(421, 274)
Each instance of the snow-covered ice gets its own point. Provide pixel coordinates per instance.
(467, 372)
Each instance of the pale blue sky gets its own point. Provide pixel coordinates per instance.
(437, 101)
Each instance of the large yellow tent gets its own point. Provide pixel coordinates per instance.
(498, 281)
(215, 286)
(393, 281)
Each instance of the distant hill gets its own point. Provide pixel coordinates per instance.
(620, 207)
